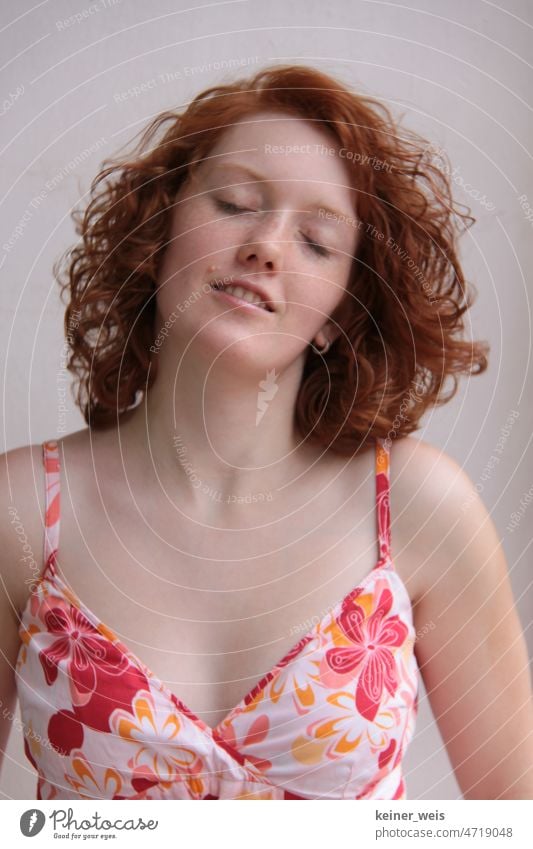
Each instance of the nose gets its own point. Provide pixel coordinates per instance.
(264, 247)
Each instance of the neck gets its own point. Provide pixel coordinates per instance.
(218, 431)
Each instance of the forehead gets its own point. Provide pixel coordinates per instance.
(274, 125)
(283, 146)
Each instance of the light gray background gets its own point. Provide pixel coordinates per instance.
(459, 71)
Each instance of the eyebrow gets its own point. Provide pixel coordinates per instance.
(259, 178)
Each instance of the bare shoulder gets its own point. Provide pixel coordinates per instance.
(419, 469)
(22, 511)
(470, 645)
(436, 512)
(22, 522)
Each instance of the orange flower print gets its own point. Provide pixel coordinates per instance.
(93, 781)
(336, 734)
(298, 679)
(159, 758)
(257, 693)
(370, 653)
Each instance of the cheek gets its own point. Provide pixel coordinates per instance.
(304, 318)
(314, 303)
(184, 250)
(203, 237)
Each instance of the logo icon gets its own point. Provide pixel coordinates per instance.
(269, 388)
(32, 822)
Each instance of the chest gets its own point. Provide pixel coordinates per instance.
(211, 610)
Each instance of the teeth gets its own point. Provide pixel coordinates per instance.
(243, 294)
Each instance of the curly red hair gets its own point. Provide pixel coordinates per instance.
(401, 319)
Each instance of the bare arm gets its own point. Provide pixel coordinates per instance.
(9, 646)
(20, 531)
(474, 661)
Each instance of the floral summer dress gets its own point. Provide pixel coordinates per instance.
(331, 720)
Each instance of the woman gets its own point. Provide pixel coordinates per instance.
(261, 308)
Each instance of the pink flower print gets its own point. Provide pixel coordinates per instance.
(372, 640)
(87, 651)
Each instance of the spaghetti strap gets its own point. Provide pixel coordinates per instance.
(52, 502)
(383, 497)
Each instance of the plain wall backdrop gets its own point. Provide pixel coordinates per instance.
(79, 81)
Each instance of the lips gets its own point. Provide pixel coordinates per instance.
(245, 284)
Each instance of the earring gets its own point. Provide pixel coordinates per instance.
(322, 350)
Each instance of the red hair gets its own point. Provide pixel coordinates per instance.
(401, 319)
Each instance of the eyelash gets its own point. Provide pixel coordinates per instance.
(232, 208)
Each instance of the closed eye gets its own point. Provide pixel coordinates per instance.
(319, 249)
(233, 209)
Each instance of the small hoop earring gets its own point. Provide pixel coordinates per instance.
(323, 350)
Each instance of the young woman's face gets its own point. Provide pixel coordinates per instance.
(272, 205)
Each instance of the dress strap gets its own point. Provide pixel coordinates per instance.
(383, 496)
(52, 502)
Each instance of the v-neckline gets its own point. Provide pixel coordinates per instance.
(214, 732)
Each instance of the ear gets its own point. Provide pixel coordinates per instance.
(333, 332)
(328, 332)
